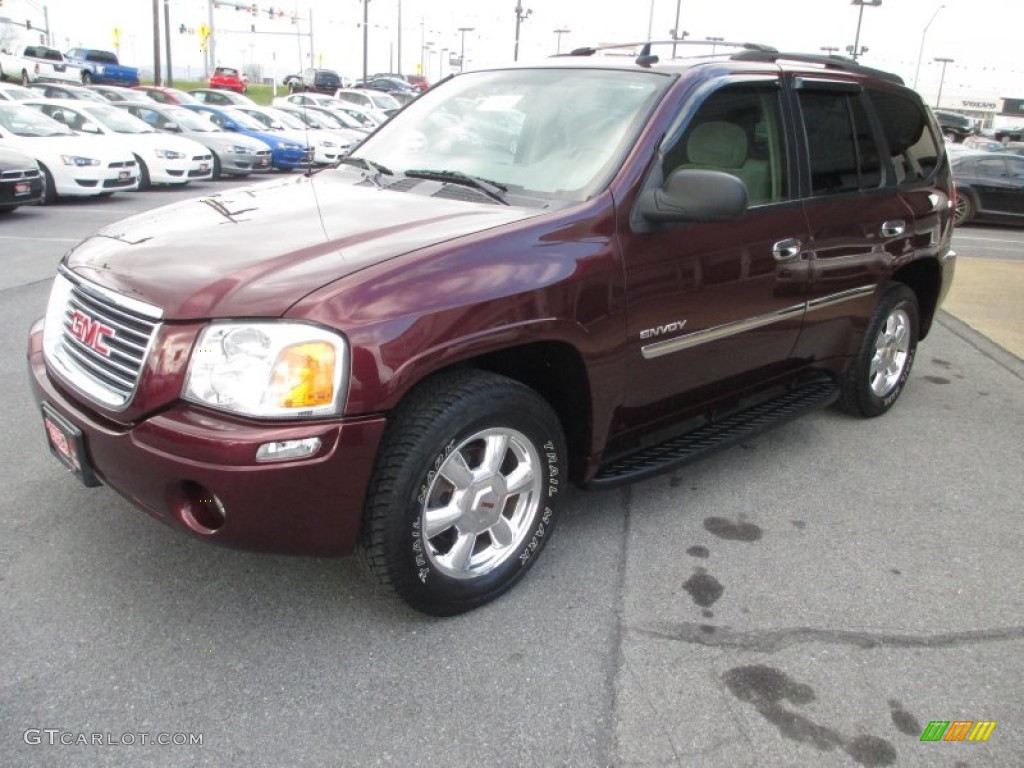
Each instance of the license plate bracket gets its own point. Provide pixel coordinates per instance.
(67, 444)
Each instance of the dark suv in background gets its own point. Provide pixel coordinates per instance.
(316, 80)
(954, 126)
(586, 271)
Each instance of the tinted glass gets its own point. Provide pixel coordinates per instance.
(831, 142)
(737, 130)
(912, 147)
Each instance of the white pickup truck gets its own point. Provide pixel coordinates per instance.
(37, 64)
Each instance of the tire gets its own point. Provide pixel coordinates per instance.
(24, 78)
(965, 208)
(144, 182)
(878, 374)
(434, 458)
(216, 167)
(49, 187)
(86, 77)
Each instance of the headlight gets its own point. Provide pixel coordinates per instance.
(239, 150)
(79, 161)
(277, 370)
(170, 154)
(327, 144)
(287, 145)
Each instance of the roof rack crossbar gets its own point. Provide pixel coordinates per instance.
(841, 63)
(590, 51)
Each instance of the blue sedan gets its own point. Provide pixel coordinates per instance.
(286, 154)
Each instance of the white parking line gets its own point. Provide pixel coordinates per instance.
(969, 239)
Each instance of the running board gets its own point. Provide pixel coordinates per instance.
(715, 435)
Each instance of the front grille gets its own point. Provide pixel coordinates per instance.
(117, 183)
(124, 164)
(103, 340)
(202, 158)
(16, 175)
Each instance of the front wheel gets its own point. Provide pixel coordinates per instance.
(86, 77)
(877, 375)
(462, 500)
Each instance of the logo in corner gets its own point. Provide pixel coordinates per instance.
(958, 730)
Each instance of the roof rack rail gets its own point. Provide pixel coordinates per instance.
(841, 63)
(646, 58)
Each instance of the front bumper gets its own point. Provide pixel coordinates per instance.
(170, 463)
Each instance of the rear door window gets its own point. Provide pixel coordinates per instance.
(912, 146)
(842, 152)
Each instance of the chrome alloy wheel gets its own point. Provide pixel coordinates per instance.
(892, 348)
(482, 503)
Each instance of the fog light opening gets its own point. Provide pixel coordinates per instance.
(201, 511)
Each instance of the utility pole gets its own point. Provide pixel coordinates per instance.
(167, 38)
(521, 16)
(366, 37)
(156, 42)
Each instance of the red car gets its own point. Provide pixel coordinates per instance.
(228, 78)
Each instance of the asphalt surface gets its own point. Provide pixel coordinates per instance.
(814, 597)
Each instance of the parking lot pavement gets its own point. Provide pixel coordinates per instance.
(817, 596)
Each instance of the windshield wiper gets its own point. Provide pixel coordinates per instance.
(369, 165)
(490, 188)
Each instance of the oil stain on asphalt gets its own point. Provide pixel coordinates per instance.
(703, 588)
(727, 529)
(767, 688)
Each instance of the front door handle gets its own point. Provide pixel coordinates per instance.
(787, 249)
(894, 228)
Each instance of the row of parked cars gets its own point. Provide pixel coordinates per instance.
(96, 140)
(989, 176)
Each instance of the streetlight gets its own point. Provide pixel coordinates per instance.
(829, 49)
(558, 40)
(366, 37)
(440, 64)
(462, 49)
(920, 51)
(522, 14)
(857, 50)
(680, 36)
(714, 41)
(675, 27)
(942, 78)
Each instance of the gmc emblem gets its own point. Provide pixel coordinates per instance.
(90, 332)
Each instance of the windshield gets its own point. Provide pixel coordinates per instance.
(244, 120)
(17, 93)
(383, 100)
(265, 119)
(552, 132)
(117, 120)
(190, 121)
(287, 119)
(23, 121)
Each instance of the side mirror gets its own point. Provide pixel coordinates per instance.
(89, 127)
(173, 127)
(690, 194)
(230, 125)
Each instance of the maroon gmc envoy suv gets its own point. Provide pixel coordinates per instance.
(586, 271)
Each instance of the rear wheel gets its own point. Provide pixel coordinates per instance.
(878, 374)
(462, 498)
(964, 211)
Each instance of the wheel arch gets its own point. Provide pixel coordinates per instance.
(924, 278)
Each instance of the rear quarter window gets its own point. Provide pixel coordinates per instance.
(912, 146)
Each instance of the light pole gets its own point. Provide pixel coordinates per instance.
(830, 49)
(521, 16)
(366, 38)
(920, 51)
(857, 51)
(942, 78)
(677, 35)
(462, 47)
(675, 27)
(558, 40)
(714, 41)
(440, 64)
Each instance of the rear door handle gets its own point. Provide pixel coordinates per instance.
(894, 228)
(787, 249)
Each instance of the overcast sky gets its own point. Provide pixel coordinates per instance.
(982, 36)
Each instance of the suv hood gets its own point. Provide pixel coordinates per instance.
(255, 251)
